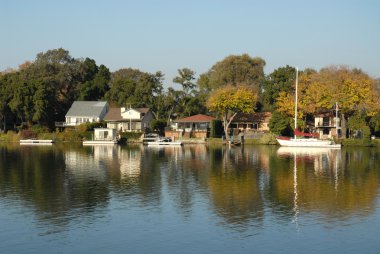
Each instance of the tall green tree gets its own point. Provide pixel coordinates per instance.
(190, 99)
(97, 85)
(235, 70)
(8, 82)
(137, 88)
(170, 103)
(186, 78)
(280, 80)
(59, 73)
(42, 91)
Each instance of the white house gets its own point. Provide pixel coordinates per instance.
(129, 119)
(84, 112)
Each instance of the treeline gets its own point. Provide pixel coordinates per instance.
(42, 91)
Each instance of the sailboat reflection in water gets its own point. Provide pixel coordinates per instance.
(324, 159)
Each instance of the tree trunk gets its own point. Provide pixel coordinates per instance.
(226, 123)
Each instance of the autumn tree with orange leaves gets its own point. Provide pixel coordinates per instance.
(352, 89)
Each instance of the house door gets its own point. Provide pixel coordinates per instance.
(103, 134)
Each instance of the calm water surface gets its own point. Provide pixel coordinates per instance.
(136, 199)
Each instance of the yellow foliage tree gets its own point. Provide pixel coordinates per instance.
(353, 90)
(229, 100)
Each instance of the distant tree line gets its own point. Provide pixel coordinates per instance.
(42, 91)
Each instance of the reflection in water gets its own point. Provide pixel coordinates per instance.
(331, 190)
(295, 190)
(235, 188)
(323, 159)
(242, 188)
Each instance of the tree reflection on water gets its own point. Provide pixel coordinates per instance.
(241, 185)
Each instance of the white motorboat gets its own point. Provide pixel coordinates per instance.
(164, 142)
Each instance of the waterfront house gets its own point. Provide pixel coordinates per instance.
(257, 121)
(327, 125)
(84, 112)
(129, 119)
(197, 126)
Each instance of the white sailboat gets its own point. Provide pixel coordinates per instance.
(303, 142)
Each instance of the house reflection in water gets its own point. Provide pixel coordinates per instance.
(240, 184)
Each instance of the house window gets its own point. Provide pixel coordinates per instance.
(326, 121)
(326, 131)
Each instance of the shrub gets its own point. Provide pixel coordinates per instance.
(71, 135)
(216, 130)
(357, 142)
(158, 126)
(10, 136)
(130, 136)
(89, 126)
(39, 129)
(268, 139)
(27, 134)
(280, 124)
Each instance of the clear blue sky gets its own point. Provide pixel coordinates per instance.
(167, 35)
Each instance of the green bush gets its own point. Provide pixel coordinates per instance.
(89, 126)
(10, 136)
(86, 135)
(268, 139)
(27, 134)
(280, 124)
(71, 135)
(357, 142)
(130, 136)
(47, 135)
(39, 129)
(158, 126)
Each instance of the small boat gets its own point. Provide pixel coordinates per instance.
(311, 141)
(164, 142)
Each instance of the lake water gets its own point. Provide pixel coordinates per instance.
(190, 199)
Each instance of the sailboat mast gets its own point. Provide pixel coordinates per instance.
(295, 103)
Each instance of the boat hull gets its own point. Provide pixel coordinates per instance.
(158, 143)
(307, 143)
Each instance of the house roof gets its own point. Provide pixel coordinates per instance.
(200, 118)
(86, 108)
(258, 117)
(143, 110)
(114, 114)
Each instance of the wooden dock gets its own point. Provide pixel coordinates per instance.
(99, 142)
(36, 142)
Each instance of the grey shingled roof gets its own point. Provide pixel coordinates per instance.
(86, 108)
